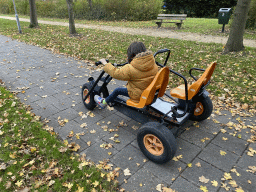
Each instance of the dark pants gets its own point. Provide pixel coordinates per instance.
(118, 91)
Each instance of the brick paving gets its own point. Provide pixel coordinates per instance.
(52, 85)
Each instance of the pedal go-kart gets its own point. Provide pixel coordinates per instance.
(155, 139)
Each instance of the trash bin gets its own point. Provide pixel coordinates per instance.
(224, 15)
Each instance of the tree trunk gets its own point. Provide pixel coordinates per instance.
(90, 4)
(33, 15)
(235, 40)
(72, 29)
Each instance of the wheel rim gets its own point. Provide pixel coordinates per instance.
(153, 144)
(199, 109)
(85, 92)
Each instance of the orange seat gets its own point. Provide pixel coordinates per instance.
(179, 92)
(159, 84)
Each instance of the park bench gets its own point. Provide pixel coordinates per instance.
(171, 18)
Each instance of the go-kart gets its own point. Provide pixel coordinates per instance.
(156, 138)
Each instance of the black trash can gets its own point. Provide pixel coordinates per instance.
(223, 17)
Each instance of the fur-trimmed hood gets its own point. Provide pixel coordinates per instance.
(143, 61)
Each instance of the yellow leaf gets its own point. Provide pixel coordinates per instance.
(141, 185)
(95, 183)
(214, 183)
(69, 185)
(204, 188)
(18, 183)
(12, 155)
(66, 120)
(189, 164)
(33, 149)
(66, 142)
(239, 190)
(80, 189)
(227, 176)
(223, 153)
(232, 183)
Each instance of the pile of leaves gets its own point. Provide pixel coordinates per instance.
(32, 158)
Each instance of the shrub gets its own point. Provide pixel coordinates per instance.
(100, 10)
(251, 21)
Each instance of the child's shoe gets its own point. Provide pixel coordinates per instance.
(99, 100)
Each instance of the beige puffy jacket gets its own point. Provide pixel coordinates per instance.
(139, 73)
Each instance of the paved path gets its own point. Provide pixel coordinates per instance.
(52, 85)
(149, 31)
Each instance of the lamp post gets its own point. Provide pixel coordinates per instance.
(17, 18)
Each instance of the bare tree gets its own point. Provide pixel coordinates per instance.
(90, 4)
(235, 39)
(72, 29)
(33, 15)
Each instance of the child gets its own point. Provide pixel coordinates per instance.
(139, 72)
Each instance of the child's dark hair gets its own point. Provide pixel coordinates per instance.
(134, 49)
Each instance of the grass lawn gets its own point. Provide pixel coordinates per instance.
(233, 78)
(193, 25)
(32, 158)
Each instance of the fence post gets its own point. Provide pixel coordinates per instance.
(17, 18)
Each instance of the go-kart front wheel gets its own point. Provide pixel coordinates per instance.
(89, 103)
(203, 109)
(156, 142)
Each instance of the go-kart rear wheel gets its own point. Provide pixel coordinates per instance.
(156, 142)
(203, 109)
(89, 103)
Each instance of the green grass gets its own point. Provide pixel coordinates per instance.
(31, 157)
(192, 25)
(234, 76)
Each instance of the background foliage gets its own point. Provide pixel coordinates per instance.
(198, 8)
(133, 10)
(251, 22)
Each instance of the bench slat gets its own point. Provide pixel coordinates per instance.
(172, 15)
(171, 18)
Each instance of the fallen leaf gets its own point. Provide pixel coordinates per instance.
(204, 188)
(127, 172)
(198, 164)
(232, 183)
(159, 187)
(89, 143)
(214, 183)
(83, 125)
(51, 183)
(223, 153)
(18, 183)
(93, 131)
(203, 179)
(227, 176)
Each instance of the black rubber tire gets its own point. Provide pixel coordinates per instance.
(162, 133)
(89, 103)
(206, 103)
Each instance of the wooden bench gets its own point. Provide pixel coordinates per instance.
(171, 18)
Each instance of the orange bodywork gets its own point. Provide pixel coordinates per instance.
(179, 92)
(160, 83)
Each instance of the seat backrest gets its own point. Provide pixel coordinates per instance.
(158, 85)
(203, 80)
